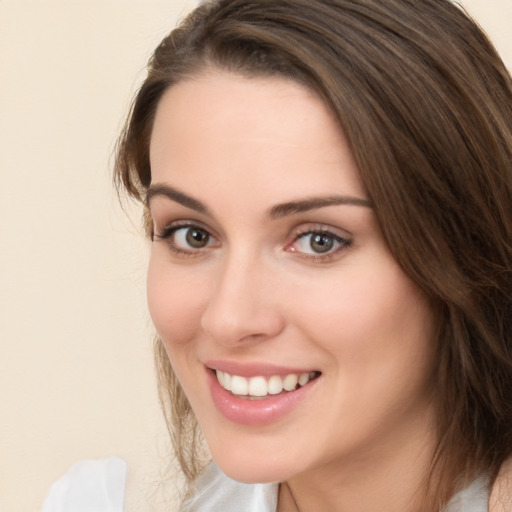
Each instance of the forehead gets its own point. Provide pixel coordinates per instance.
(222, 127)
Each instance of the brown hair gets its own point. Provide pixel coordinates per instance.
(426, 105)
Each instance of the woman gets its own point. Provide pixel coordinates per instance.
(327, 185)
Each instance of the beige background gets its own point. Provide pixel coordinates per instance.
(76, 376)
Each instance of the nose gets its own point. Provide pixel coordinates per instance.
(243, 305)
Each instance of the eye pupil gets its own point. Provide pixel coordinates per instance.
(321, 243)
(197, 238)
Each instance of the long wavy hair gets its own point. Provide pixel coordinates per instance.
(426, 105)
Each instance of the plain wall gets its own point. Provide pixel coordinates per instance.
(76, 371)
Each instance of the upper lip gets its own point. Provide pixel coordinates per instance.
(255, 369)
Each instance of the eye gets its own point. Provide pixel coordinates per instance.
(192, 237)
(318, 244)
(187, 239)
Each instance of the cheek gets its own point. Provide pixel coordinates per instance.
(377, 330)
(370, 320)
(175, 302)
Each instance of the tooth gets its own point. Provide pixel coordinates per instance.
(257, 386)
(290, 382)
(227, 381)
(303, 378)
(239, 385)
(275, 385)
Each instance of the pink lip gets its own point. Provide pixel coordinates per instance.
(256, 412)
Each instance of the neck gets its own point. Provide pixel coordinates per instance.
(389, 479)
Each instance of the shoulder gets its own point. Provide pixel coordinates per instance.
(501, 493)
(474, 498)
(97, 485)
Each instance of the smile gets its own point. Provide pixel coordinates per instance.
(259, 394)
(259, 387)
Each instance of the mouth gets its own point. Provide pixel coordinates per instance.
(261, 387)
(259, 394)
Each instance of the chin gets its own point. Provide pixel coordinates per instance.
(243, 467)
(251, 475)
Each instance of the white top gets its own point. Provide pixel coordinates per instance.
(98, 486)
(89, 486)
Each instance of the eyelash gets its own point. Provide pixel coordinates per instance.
(168, 234)
(343, 244)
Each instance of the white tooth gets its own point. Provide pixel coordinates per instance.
(304, 378)
(258, 386)
(227, 381)
(275, 385)
(239, 385)
(220, 377)
(290, 382)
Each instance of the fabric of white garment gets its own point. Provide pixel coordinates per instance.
(89, 486)
(473, 499)
(98, 486)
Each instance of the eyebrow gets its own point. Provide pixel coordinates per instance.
(313, 203)
(175, 195)
(275, 212)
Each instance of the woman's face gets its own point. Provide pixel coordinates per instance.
(269, 276)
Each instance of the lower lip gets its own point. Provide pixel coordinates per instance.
(262, 411)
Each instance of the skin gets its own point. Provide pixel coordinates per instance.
(501, 495)
(257, 292)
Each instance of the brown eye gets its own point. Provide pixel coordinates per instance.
(195, 237)
(188, 239)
